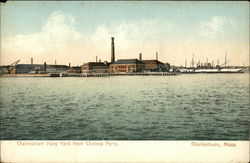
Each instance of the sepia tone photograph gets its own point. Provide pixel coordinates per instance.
(103, 73)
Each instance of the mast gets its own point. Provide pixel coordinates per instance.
(226, 59)
(193, 60)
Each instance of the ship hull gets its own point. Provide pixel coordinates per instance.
(215, 70)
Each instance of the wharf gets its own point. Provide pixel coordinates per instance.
(25, 75)
(92, 74)
(127, 74)
(145, 74)
(31, 75)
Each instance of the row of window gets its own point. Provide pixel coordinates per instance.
(123, 66)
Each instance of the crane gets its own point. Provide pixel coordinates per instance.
(12, 66)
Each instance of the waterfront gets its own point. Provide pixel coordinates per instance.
(182, 107)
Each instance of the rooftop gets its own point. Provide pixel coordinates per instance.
(95, 64)
(128, 61)
(153, 61)
(36, 65)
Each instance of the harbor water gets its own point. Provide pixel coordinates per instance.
(182, 107)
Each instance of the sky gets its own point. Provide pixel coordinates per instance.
(78, 31)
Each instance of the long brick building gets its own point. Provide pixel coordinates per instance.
(126, 65)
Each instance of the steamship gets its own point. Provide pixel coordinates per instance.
(212, 70)
(209, 67)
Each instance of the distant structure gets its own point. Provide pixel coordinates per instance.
(119, 66)
(140, 57)
(153, 65)
(74, 70)
(95, 67)
(39, 68)
(192, 63)
(126, 65)
(225, 59)
(112, 50)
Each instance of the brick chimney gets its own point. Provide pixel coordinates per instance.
(140, 56)
(112, 50)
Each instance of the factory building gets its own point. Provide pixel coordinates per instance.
(57, 68)
(126, 65)
(95, 67)
(39, 68)
(27, 68)
(153, 65)
(74, 70)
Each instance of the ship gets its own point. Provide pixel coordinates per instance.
(210, 68)
(213, 70)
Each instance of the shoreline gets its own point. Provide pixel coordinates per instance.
(92, 74)
(114, 74)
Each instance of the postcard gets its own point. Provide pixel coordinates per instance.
(124, 81)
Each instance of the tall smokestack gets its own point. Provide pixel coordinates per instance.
(156, 55)
(95, 58)
(140, 56)
(45, 67)
(55, 62)
(32, 61)
(112, 50)
(69, 64)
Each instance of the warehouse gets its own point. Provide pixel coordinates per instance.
(154, 65)
(39, 68)
(95, 67)
(126, 65)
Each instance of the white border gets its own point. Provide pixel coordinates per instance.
(124, 151)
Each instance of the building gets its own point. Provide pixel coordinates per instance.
(57, 68)
(28, 68)
(7, 70)
(126, 65)
(74, 70)
(154, 65)
(95, 67)
(39, 68)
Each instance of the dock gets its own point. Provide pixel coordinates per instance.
(93, 74)
(130, 74)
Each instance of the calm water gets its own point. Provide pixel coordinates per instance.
(185, 107)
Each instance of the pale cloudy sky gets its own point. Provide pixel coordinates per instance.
(77, 31)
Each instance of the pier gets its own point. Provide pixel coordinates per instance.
(126, 74)
(93, 74)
